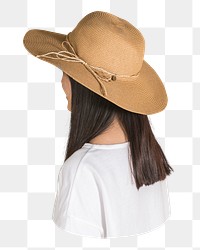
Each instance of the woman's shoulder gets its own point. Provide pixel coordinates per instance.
(79, 161)
(76, 158)
(77, 174)
(77, 207)
(89, 159)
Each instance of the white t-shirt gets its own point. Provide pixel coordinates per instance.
(96, 197)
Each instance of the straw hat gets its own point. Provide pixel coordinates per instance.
(105, 54)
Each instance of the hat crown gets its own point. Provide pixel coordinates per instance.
(105, 40)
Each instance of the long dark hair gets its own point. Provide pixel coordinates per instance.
(91, 115)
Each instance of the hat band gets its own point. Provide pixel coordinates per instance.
(96, 71)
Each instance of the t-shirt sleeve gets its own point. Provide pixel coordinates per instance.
(77, 208)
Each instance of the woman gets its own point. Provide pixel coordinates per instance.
(113, 179)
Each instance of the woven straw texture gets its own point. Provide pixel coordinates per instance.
(105, 54)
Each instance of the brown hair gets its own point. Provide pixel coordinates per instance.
(91, 115)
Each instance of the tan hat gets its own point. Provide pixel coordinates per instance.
(105, 54)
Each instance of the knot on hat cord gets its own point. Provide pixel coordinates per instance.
(96, 71)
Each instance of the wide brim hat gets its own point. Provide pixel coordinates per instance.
(104, 53)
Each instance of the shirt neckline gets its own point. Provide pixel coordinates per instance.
(106, 146)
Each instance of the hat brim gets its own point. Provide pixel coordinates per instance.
(146, 94)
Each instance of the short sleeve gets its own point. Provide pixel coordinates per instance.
(74, 225)
(77, 208)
